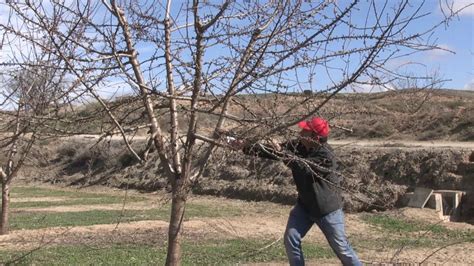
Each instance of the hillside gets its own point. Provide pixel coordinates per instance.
(377, 176)
(425, 115)
(396, 115)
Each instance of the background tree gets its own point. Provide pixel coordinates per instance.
(29, 103)
(191, 60)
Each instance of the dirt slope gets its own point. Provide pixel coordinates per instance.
(376, 173)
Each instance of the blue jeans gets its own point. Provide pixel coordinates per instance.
(332, 226)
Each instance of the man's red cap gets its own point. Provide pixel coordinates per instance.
(317, 125)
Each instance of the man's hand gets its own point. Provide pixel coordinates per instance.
(275, 145)
(235, 144)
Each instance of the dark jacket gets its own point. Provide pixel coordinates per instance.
(313, 172)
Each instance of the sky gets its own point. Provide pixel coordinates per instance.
(458, 37)
(455, 64)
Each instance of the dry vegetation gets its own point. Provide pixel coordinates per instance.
(399, 115)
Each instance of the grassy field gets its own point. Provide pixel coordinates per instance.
(205, 253)
(217, 231)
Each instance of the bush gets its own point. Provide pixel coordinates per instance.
(379, 130)
(66, 151)
(127, 159)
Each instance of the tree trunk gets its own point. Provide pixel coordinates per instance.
(178, 204)
(5, 208)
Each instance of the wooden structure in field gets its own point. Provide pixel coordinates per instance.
(446, 202)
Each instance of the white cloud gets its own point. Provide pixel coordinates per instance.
(11, 46)
(367, 88)
(114, 88)
(442, 51)
(4, 10)
(469, 86)
(466, 6)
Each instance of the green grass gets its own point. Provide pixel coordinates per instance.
(409, 233)
(394, 233)
(78, 201)
(34, 192)
(34, 220)
(247, 250)
(86, 198)
(70, 197)
(37, 220)
(225, 252)
(82, 255)
(394, 242)
(392, 224)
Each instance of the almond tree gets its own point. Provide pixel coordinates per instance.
(190, 60)
(29, 102)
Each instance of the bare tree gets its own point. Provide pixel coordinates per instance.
(197, 60)
(28, 99)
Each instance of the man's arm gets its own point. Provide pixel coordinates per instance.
(263, 151)
(273, 151)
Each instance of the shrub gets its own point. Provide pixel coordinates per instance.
(127, 159)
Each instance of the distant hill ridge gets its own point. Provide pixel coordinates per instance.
(413, 115)
(409, 114)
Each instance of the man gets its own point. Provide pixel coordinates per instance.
(312, 163)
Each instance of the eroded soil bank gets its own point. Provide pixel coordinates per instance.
(375, 176)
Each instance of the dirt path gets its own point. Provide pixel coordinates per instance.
(404, 144)
(142, 232)
(353, 142)
(40, 199)
(95, 207)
